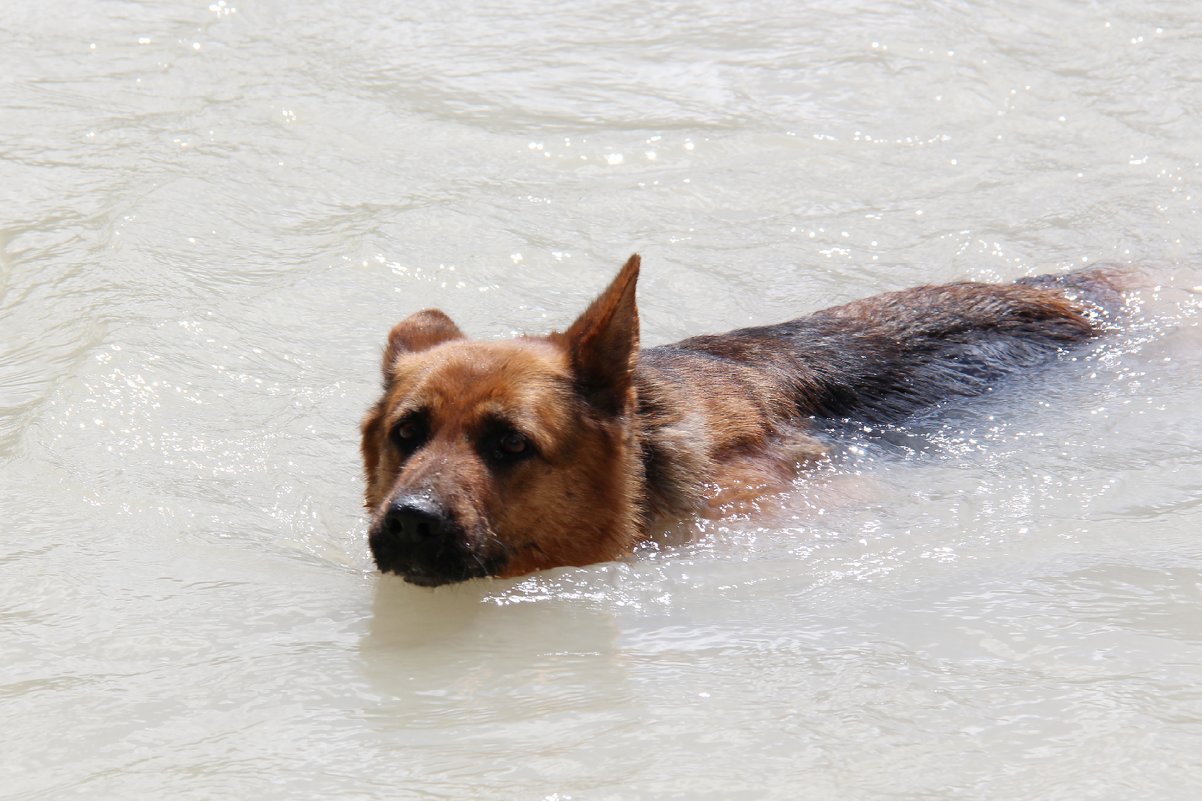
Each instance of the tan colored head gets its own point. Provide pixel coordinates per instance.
(499, 458)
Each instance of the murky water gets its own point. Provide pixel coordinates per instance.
(210, 215)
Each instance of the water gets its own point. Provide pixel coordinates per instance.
(213, 213)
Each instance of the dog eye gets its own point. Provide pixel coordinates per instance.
(507, 446)
(513, 444)
(408, 434)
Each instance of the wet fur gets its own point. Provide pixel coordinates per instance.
(619, 438)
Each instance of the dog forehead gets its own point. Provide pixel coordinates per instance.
(512, 377)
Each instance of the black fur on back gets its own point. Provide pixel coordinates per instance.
(884, 358)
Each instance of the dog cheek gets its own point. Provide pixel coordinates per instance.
(518, 509)
(573, 514)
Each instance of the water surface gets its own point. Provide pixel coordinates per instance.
(212, 213)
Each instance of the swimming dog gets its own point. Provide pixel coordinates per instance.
(498, 458)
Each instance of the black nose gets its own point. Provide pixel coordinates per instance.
(413, 521)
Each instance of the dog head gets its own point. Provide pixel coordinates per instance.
(499, 458)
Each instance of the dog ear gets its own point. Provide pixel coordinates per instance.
(419, 331)
(371, 432)
(604, 342)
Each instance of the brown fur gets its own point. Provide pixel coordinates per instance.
(500, 458)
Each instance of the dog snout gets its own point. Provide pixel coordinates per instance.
(415, 521)
(425, 542)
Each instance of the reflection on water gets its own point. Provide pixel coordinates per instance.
(213, 214)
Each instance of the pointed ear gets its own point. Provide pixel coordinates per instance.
(371, 436)
(604, 343)
(418, 331)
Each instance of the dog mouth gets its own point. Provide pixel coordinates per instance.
(423, 579)
(448, 560)
(433, 576)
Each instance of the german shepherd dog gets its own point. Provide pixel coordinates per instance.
(504, 457)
